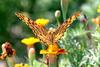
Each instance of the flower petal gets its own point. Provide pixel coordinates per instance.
(42, 22)
(43, 52)
(30, 41)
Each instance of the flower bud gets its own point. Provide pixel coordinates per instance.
(31, 51)
(57, 14)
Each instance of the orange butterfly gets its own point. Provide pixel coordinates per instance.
(50, 36)
(7, 50)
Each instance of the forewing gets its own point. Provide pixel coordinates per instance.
(62, 28)
(38, 30)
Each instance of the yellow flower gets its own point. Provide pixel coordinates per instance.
(53, 49)
(42, 22)
(30, 41)
(21, 65)
(25, 65)
(98, 9)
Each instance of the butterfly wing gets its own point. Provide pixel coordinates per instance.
(62, 28)
(38, 30)
(41, 33)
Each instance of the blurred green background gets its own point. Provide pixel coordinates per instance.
(13, 30)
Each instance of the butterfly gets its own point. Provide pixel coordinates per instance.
(7, 50)
(50, 36)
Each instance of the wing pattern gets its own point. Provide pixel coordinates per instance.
(42, 33)
(62, 28)
(38, 30)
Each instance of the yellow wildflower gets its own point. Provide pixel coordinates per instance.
(98, 10)
(30, 41)
(25, 65)
(42, 22)
(53, 49)
(21, 65)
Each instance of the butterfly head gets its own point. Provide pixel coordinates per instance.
(52, 29)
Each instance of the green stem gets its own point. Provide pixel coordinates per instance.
(43, 47)
(58, 22)
(64, 7)
(30, 56)
(52, 61)
(10, 61)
